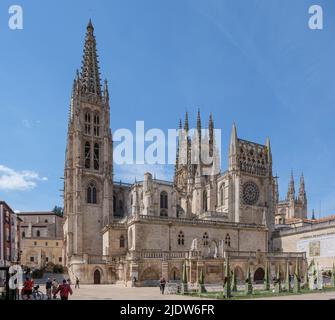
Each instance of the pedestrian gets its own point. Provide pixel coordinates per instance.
(48, 287)
(27, 288)
(54, 288)
(64, 290)
(69, 282)
(77, 283)
(162, 285)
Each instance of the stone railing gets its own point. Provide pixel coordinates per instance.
(163, 255)
(197, 221)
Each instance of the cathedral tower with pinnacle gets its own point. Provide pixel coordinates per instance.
(88, 176)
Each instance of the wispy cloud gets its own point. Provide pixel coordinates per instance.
(28, 124)
(11, 180)
(128, 173)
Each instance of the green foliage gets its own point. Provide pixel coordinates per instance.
(58, 211)
(184, 287)
(248, 282)
(288, 278)
(267, 277)
(227, 280)
(297, 278)
(58, 268)
(333, 276)
(37, 274)
(234, 282)
(201, 281)
(277, 282)
(49, 267)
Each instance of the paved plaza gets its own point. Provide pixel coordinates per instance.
(113, 292)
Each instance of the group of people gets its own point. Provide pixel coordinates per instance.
(52, 288)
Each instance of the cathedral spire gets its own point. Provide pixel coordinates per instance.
(302, 190)
(291, 189)
(211, 135)
(199, 122)
(90, 76)
(233, 147)
(233, 140)
(186, 126)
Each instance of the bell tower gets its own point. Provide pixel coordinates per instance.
(88, 176)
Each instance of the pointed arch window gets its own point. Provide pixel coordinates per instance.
(92, 193)
(164, 200)
(88, 123)
(38, 233)
(122, 241)
(114, 204)
(96, 156)
(87, 155)
(204, 201)
(222, 195)
(96, 128)
(227, 240)
(205, 239)
(181, 238)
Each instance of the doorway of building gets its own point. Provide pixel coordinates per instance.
(97, 277)
(259, 275)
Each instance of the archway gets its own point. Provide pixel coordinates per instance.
(259, 275)
(150, 274)
(174, 274)
(97, 277)
(239, 275)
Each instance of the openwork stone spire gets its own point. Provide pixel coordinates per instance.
(90, 76)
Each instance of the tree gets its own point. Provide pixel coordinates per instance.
(227, 280)
(297, 279)
(333, 276)
(184, 288)
(267, 276)
(201, 281)
(248, 282)
(277, 282)
(288, 277)
(58, 211)
(234, 282)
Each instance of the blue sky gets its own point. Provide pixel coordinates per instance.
(253, 62)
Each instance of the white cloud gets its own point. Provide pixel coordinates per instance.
(11, 180)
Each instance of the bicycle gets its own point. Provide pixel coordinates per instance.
(36, 294)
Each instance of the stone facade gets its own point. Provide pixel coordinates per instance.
(315, 237)
(9, 235)
(41, 239)
(114, 232)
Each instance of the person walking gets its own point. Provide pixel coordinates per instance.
(54, 288)
(64, 290)
(48, 287)
(28, 288)
(77, 283)
(162, 285)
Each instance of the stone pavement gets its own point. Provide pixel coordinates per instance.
(115, 292)
(307, 296)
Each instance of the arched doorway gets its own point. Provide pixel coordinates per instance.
(259, 275)
(150, 277)
(97, 277)
(239, 275)
(174, 274)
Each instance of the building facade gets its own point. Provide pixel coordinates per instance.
(9, 235)
(41, 239)
(314, 237)
(115, 232)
